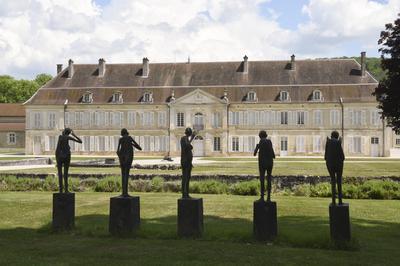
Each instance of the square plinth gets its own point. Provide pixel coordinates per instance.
(124, 215)
(190, 217)
(63, 211)
(339, 222)
(265, 225)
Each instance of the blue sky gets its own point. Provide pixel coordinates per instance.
(35, 35)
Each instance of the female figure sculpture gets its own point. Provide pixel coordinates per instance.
(63, 156)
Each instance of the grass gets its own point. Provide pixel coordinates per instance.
(374, 168)
(303, 233)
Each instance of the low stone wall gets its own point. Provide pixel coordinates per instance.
(33, 161)
(281, 181)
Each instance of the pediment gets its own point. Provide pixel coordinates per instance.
(199, 96)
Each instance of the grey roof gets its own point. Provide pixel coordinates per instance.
(334, 77)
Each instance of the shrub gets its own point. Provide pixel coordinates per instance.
(140, 185)
(208, 187)
(157, 184)
(108, 184)
(302, 190)
(245, 188)
(350, 191)
(172, 186)
(321, 190)
(50, 184)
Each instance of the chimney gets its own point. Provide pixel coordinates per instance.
(102, 67)
(146, 68)
(245, 65)
(59, 68)
(363, 64)
(70, 68)
(293, 62)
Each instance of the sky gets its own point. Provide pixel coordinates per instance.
(35, 35)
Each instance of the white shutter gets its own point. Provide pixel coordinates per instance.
(267, 117)
(363, 117)
(106, 143)
(230, 118)
(351, 144)
(157, 143)
(96, 143)
(121, 119)
(112, 143)
(46, 143)
(351, 118)
(241, 144)
(151, 143)
(273, 117)
(245, 143)
(241, 118)
(230, 144)
(151, 119)
(91, 143)
(141, 141)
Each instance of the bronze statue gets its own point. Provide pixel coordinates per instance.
(125, 155)
(334, 158)
(63, 156)
(266, 156)
(186, 160)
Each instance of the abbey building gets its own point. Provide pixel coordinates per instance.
(298, 103)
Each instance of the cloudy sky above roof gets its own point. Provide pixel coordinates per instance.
(35, 35)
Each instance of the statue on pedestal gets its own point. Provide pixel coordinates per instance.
(266, 156)
(186, 160)
(334, 158)
(63, 156)
(125, 155)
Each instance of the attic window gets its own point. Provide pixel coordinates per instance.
(284, 96)
(87, 97)
(251, 96)
(317, 95)
(117, 97)
(148, 97)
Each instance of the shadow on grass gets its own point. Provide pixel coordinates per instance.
(293, 231)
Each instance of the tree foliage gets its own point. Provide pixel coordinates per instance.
(18, 91)
(388, 91)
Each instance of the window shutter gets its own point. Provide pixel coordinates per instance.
(245, 143)
(351, 118)
(46, 143)
(151, 143)
(268, 118)
(157, 143)
(91, 143)
(241, 118)
(351, 144)
(106, 143)
(141, 141)
(230, 118)
(363, 117)
(241, 144)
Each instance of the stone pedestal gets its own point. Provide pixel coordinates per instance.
(190, 217)
(265, 225)
(124, 215)
(339, 222)
(63, 211)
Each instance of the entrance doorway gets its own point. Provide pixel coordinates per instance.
(37, 149)
(198, 146)
(374, 146)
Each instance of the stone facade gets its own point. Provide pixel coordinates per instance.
(298, 110)
(12, 126)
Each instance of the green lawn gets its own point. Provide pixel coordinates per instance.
(374, 168)
(25, 238)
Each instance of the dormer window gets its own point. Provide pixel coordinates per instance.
(251, 96)
(117, 97)
(148, 97)
(317, 95)
(87, 97)
(284, 96)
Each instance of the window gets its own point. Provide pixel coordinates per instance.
(180, 119)
(198, 122)
(235, 143)
(37, 120)
(284, 96)
(357, 117)
(284, 118)
(12, 138)
(300, 117)
(317, 117)
(251, 96)
(335, 117)
(131, 118)
(148, 97)
(375, 117)
(87, 97)
(216, 120)
(374, 140)
(317, 143)
(217, 144)
(300, 147)
(102, 143)
(251, 143)
(162, 119)
(52, 143)
(284, 144)
(147, 119)
(117, 97)
(234, 118)
(317, 95)
(356, 142)
(52, 120)
(398, 142)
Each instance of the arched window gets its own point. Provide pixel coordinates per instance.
(284, 96)
(317, 95)
(117, 97)
(87, 97)
(147, 97)
(251, 96)
(198, 122)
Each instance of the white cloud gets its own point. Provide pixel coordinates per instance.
(37, 34)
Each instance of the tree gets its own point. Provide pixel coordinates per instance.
(388, 91)
(42, 79)
(14, 91)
